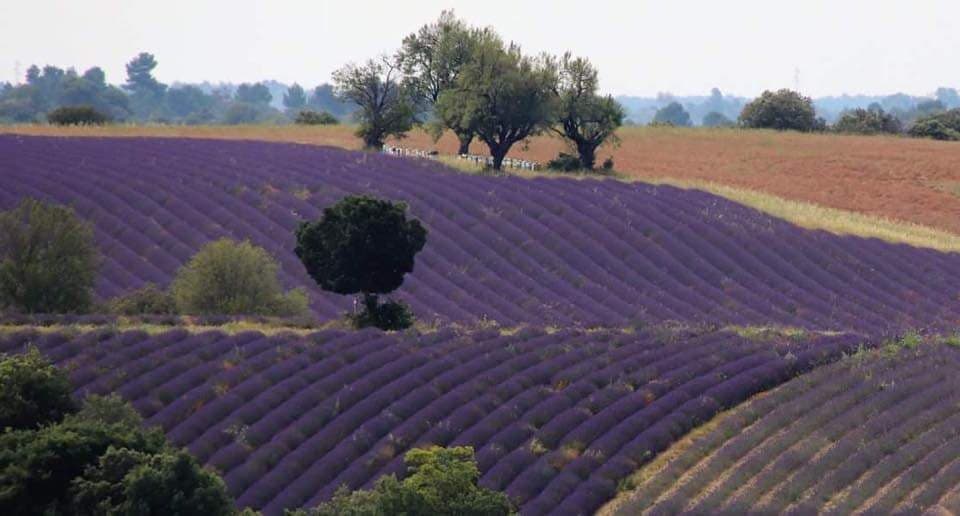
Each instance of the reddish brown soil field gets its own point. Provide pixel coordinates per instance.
(900, 178)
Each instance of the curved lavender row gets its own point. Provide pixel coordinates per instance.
(542, 251)
(556, 418)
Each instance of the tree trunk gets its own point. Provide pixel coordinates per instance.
(588, 156)
(465, 140)
(498, 156)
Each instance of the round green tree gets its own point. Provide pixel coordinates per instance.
(48, 259)
(33, 392)
(781, 110)
(363, 245)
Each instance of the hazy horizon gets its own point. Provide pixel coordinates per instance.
(685, 48)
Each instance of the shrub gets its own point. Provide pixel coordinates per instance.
(868, 121)
(715, 119)
(441, 481)
(48, 261)
(608, 164)
(672, 114)
(77, 115)
(148, 299)
(782, 110)
(307, 117)
(234, 278)
(390, 315)
(933, 128)
(33, 392)
(565, 163)
(361, 245)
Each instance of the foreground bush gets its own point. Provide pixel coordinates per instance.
(781, 110)
(98, 460)
(77, 115)
(441, 481)
(33, 392)
(234, 278)
(308, 117)
(868, 121)
(363, 245)
(48, 261)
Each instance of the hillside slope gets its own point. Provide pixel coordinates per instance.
(557, 419)
(539, 251)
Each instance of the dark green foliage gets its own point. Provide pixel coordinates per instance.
(441, 482)
(389, 315)
(715, 119)
(868, 121)
(386, 106)
(361, 245)
(781, 110)
(77, 115)
(307, 117)
(238, 113)
(48, 261)
(234, 278)
(672, 114)
(608, 164)
(33, 392)
(934, 128)
(146, 92)
(131, 482)
(565, 163)
(501, 96)
(148, 299)
(584, 117)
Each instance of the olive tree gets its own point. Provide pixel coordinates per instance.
(363, 245)
(386, 106)
(432, 59)
(502, 95)
(48, 259)
(584, 117)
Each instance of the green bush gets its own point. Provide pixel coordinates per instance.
(77, 115)
(781, 110)
(441, 481)
(672, 114)
(48, 261)
(307, 117)
(716, 119)
(33, 392)
(148, 299)
(390, 315)
(565, 163)
(933, 128)
(227, 277)
(868, 121)
(362, 245)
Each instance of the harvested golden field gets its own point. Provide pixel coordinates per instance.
(898, 178)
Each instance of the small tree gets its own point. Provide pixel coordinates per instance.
(442, 481)
(33, 392)
(585, 118)
(782, 110)
(234, 278)
(77, 115)
(502, 96)
(295, 98)
(868, 121)
(363, 245)
(48, 261)
(386, 107)
(672, 114)
(715, 119)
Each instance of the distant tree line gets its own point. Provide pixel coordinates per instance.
(66, 97)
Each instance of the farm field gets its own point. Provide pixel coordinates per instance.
(558, 419)
(875, 433)
(593, 339)
(903, 179)
(507, 250)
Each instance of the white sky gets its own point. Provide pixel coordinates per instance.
(640, 47)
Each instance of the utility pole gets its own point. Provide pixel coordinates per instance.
(17, 77)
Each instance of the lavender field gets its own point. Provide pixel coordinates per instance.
(512, 250)
(876, 434)
(557, 419)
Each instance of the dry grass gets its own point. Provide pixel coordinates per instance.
(896, 189)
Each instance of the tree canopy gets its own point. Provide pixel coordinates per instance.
(781, 110)
(673, 114)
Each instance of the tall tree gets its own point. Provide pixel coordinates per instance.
(295, 98)
(257, 94)
(584, 117)
(386, 106)
(146, 91)
(502, 95)
(432, 59)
